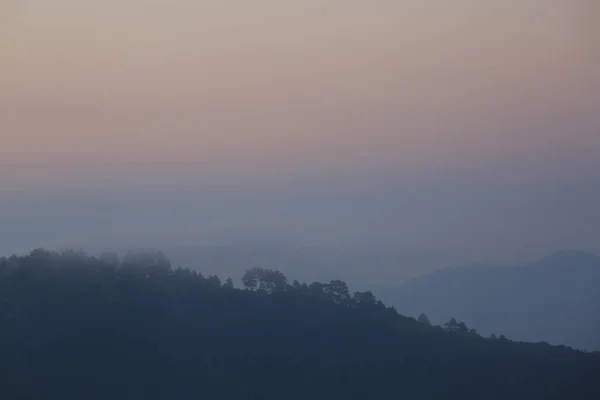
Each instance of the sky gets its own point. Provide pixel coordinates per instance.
(436, 132)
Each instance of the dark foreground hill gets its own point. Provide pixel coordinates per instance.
(555, 299)
(75, 327)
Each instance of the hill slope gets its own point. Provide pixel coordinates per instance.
(555, 299)
(76, 327)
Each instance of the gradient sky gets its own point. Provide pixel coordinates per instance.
(452, 131)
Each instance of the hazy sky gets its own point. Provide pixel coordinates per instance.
(452, 131)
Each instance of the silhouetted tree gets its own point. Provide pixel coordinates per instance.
(250, 279)
(317, 289)
(454, 326)
(228, 283)
(462, 328)
(264, 280)
(338, 291)
(364, 298)
(451, 325)
(272, 281)
(423, 319)
(296, 286)
(214, 281)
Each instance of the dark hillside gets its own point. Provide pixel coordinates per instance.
(75, 327)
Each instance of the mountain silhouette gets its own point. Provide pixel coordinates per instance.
(554, 299)
(78, 327)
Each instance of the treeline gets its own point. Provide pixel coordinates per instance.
(74, 326)
(154, 265)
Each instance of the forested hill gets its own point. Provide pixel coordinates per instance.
(78, 327)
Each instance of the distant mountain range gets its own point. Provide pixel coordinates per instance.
(555, 299)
